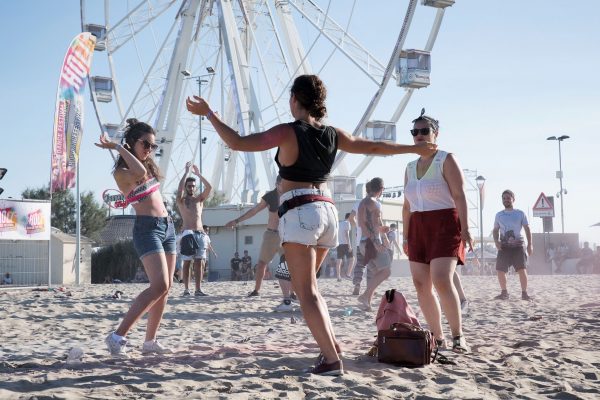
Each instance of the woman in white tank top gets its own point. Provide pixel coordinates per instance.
(436, 229)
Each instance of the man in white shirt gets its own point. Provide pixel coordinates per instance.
(344, 249)
(510, 244)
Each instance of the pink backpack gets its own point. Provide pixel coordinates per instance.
(393, 309)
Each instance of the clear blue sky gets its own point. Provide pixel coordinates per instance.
(506, 75)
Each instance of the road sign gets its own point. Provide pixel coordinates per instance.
(543, 207)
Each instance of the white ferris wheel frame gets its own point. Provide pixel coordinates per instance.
(243, 103)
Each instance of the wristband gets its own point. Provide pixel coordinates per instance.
(209, 115)
(118, 147)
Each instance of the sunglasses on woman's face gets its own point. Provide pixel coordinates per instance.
(420, 131)
(148, 145)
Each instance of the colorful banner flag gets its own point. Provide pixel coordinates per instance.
(24, 220)
(68, 116)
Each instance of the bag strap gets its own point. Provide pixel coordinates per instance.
(389, 295)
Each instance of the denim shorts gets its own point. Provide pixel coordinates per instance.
(153, 235)
(311, 224)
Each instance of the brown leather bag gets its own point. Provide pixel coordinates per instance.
(405, 345)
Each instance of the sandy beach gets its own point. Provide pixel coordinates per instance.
(232, 347)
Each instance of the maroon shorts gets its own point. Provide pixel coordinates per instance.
(435, 234)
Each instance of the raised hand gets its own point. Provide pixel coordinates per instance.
(196, 170)
(105, 142)
(188, 166)
(231, 224)
(197, 106)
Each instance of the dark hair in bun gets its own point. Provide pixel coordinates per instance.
(134, 130)
(311, 93)
(433, 123)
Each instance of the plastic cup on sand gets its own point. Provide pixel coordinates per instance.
(75, 355)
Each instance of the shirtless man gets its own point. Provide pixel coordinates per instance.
(190, 207)
(373, 241)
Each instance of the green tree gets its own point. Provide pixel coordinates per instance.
(215, 200)
(93, 215)
(119, 261)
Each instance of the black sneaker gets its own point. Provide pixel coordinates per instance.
(335, 368)
(199, 293)
(502, 296)
(253, 293)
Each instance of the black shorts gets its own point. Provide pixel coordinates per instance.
(344, 251)
(511, 256)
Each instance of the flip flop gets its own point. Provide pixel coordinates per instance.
(459, 345)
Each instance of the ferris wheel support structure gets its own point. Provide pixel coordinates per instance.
(170, 103)
(412, 5)
(439, 16)
(257, 50)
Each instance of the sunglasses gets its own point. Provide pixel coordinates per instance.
(420, 131)
(148, 145)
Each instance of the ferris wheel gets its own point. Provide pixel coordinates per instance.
(242, 55)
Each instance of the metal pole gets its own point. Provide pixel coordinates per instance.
(560, 176)
(481, 227)
(200, 132)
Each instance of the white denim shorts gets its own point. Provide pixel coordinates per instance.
(312, 224)
(203, 241)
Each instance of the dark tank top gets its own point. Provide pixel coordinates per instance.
(317, 148)
(272, 200)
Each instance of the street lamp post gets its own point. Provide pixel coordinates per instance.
(480, 184)
(559, 175)
(200, 81)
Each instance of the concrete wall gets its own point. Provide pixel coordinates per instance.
(63, 265)
(227, 241)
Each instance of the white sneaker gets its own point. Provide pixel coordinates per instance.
(284, 307)
(116, 347)
(154, 347)
(464, 307)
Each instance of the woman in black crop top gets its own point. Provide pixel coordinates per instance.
(306, 150)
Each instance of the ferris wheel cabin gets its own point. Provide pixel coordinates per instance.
(102, 88)
(380, 130)
(113, 131)
(437, 3)
(413, 68)
(100, 32)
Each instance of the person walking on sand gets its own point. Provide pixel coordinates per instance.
(270, 246)
(137, 175)
(307, 217)
(373, 241)
(510, 244)
(435, 231)
(360, 265)
(191, 204)
(344, 249)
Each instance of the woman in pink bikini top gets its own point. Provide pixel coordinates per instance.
(153, 233)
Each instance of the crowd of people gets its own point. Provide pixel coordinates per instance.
(303, 224)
